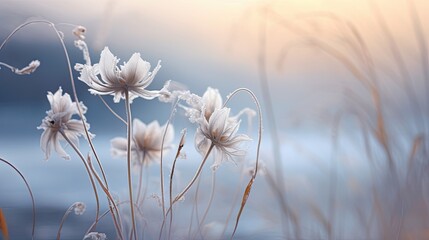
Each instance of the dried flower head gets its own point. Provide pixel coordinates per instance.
(59, 122)
(221, 131)
(133, 77)
(79, 32)
(146, 144)
(79, 208)
(32, 66)
(95, 236)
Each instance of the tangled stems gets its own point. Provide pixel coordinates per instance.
(181, 194)
(29, 191)
(89, 170)
(130, 187)
(97, 212)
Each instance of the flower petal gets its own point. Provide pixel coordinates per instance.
(107, 66)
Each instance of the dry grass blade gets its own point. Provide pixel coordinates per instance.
(3, 226)
(243, 203)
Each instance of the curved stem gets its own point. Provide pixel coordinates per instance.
(197, 174)
(31, 195)
(66, 214)
(130, 186)
(258, 148)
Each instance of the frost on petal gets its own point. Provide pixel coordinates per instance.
(108, 66)
(28, 69)
(79, 208)
(212, 100)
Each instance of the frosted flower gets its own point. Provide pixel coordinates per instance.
(221, 131)
(146, 142)
(32, 66)
(95, 236)
(132, 77)
(59, 119)
(79, 208)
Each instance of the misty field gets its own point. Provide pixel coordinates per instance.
(214, 119)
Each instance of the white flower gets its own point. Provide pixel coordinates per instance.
(132, 77)
(221, 131)
(146, 144)
(79, 208)
(32, 66)
(95, 236)
(59, 119)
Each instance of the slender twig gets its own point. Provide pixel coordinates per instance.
(29, 191)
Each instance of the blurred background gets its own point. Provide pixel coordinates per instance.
(344, 91)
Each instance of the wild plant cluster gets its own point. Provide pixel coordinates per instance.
(216, 137)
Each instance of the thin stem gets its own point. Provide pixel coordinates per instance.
(181, 194)
(197, 174)
(179, 149)
(139, 188)
(90, 169)
(66, 214)
(97, 212)
(130, 186)
(161, 158)
(13, 69)
(117, 222)
(69, 210)
(111, 110)
(29, 191)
